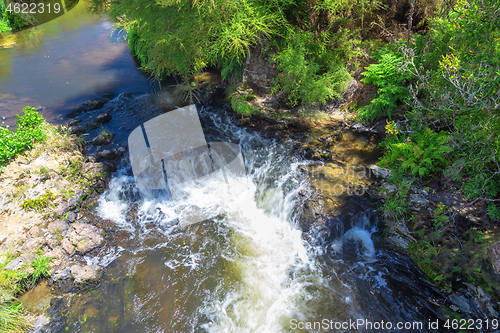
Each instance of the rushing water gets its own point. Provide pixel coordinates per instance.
(249, 268)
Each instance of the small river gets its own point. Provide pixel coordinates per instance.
(249, 268)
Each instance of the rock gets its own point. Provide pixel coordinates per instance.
(107, 154)
(56, 253)
(85, 237)
(85, 274)
(92, 125)
(390, 187)
(74, 113)
(121, 151)
(102, 139)
(32, 244)
(495, 257)
(379, 172)
(61, 274)
(71, 217)
(102, 118)
(77, 130)
(19, 262)
(35, 232)
(73, 202)
(39, 323)
(418, 199)
(481, 300)
(92, 105)
(461, 302)
(58, 225)
(424, 192)
(360, 128)
(67, 247)
(258, 72)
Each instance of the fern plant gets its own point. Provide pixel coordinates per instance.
(385, 75)
(422, 153)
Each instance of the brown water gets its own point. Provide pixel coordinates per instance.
(58, 65)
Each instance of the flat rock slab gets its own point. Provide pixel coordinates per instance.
(19, 262)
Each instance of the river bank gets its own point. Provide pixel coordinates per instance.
(45, 230)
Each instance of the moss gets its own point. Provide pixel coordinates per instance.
(39, 204)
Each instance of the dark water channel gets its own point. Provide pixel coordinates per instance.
(247, 269)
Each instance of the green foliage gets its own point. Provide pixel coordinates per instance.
(240, 105)
(309, 72)
(312, 41)
(396, 203)
(41, 268)
(30, 129)
(12, 318)
(440, 218)
(39, 204)
(12, 315)
(421, 153)
(10, 20)
(390, 82)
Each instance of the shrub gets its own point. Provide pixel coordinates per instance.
(421, 153)
(309, 74)
(385, 74)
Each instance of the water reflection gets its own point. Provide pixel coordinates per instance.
(58, 65)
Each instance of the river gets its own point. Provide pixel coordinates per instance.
(249, 268)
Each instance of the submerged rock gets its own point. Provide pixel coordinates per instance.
(78, 130)
(102, 118)
(93, 104)
(39, 323)
(92, 125)
(86, 274)
(107, 154)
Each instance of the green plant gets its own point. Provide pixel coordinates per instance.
(39, 204)
(41, 268)
(31, 128)
(309, 73)
(12, 318)
(396, 203)
(440, 218)
(422, 153)
(385, 74)
(105, 134)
